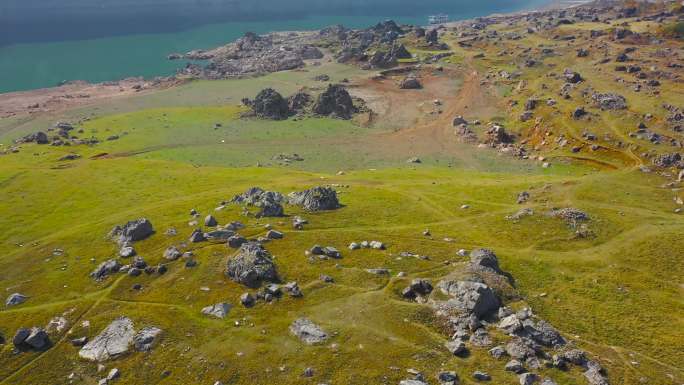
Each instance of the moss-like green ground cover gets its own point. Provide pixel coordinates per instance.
(617, 294)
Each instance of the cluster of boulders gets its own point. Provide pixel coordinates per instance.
(34, 338)
(570, 215)
(473, 305)
(252, 265)
(318, 198)
(376, 245)
(114, 341)
(322, 252)
(334, 102)
(417, 289)
(253, 54)
(609, 101)
(496, 135)
(125, 235)
(62, 135)
(36, 137)
(269, 203)
(132, 231)
(315, 199)
(673, 159)
(269, 104)
(270, 292)
(377, 47)
(117, 339)
(463, 130)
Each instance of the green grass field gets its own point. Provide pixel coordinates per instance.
(618, 295)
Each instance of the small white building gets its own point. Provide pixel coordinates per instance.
(438, 19)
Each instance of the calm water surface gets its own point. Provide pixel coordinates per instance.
(44, 62)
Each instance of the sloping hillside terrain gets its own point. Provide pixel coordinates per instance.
(491, 201)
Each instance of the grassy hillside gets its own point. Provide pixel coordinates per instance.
(616, 293)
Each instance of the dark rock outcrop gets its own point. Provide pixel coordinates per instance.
(470, 297)
(36, 137)
(410, 82)
(132, 231)
(35, 339)
(269, 202)
(299, 101)
(609, 101)
(484, 259)
(269, 104)
(104, 269)
(252, 265)
(669, 160)
(335, 102)
(315, 199)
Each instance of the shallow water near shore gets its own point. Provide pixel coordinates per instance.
(46, 64)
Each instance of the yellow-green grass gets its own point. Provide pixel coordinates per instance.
(73, 208)
(617, 294)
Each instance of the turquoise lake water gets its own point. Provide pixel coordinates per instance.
(39, 65)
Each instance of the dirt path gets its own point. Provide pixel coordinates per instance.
(420, 121)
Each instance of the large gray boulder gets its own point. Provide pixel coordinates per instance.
(20, 336)
(172, 253)
(528, 378)
(132, 231)
(34, 338)
(456, 347)
(382, 59)
(609, 101)
(575, 356)
(127, 251)
(210, 221)
(594, 374)
(15, 299)
(145, 339)
(114, 341)
(308, 332)
(255, 194)
(36, 137)
(38, 339)
(448, 378)
(470, 297)
(219, 310)
(299, 101)
(270, 208)
(484, 259)
(269, 104)
(105, 268)
(252, 265)
(335, 102)
(219, 235)
(510, 324)
(519, 349)
(418, 287)
(315, 199)
(543, 333)
(410, 82)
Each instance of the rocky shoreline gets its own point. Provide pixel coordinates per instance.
(251, 55)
